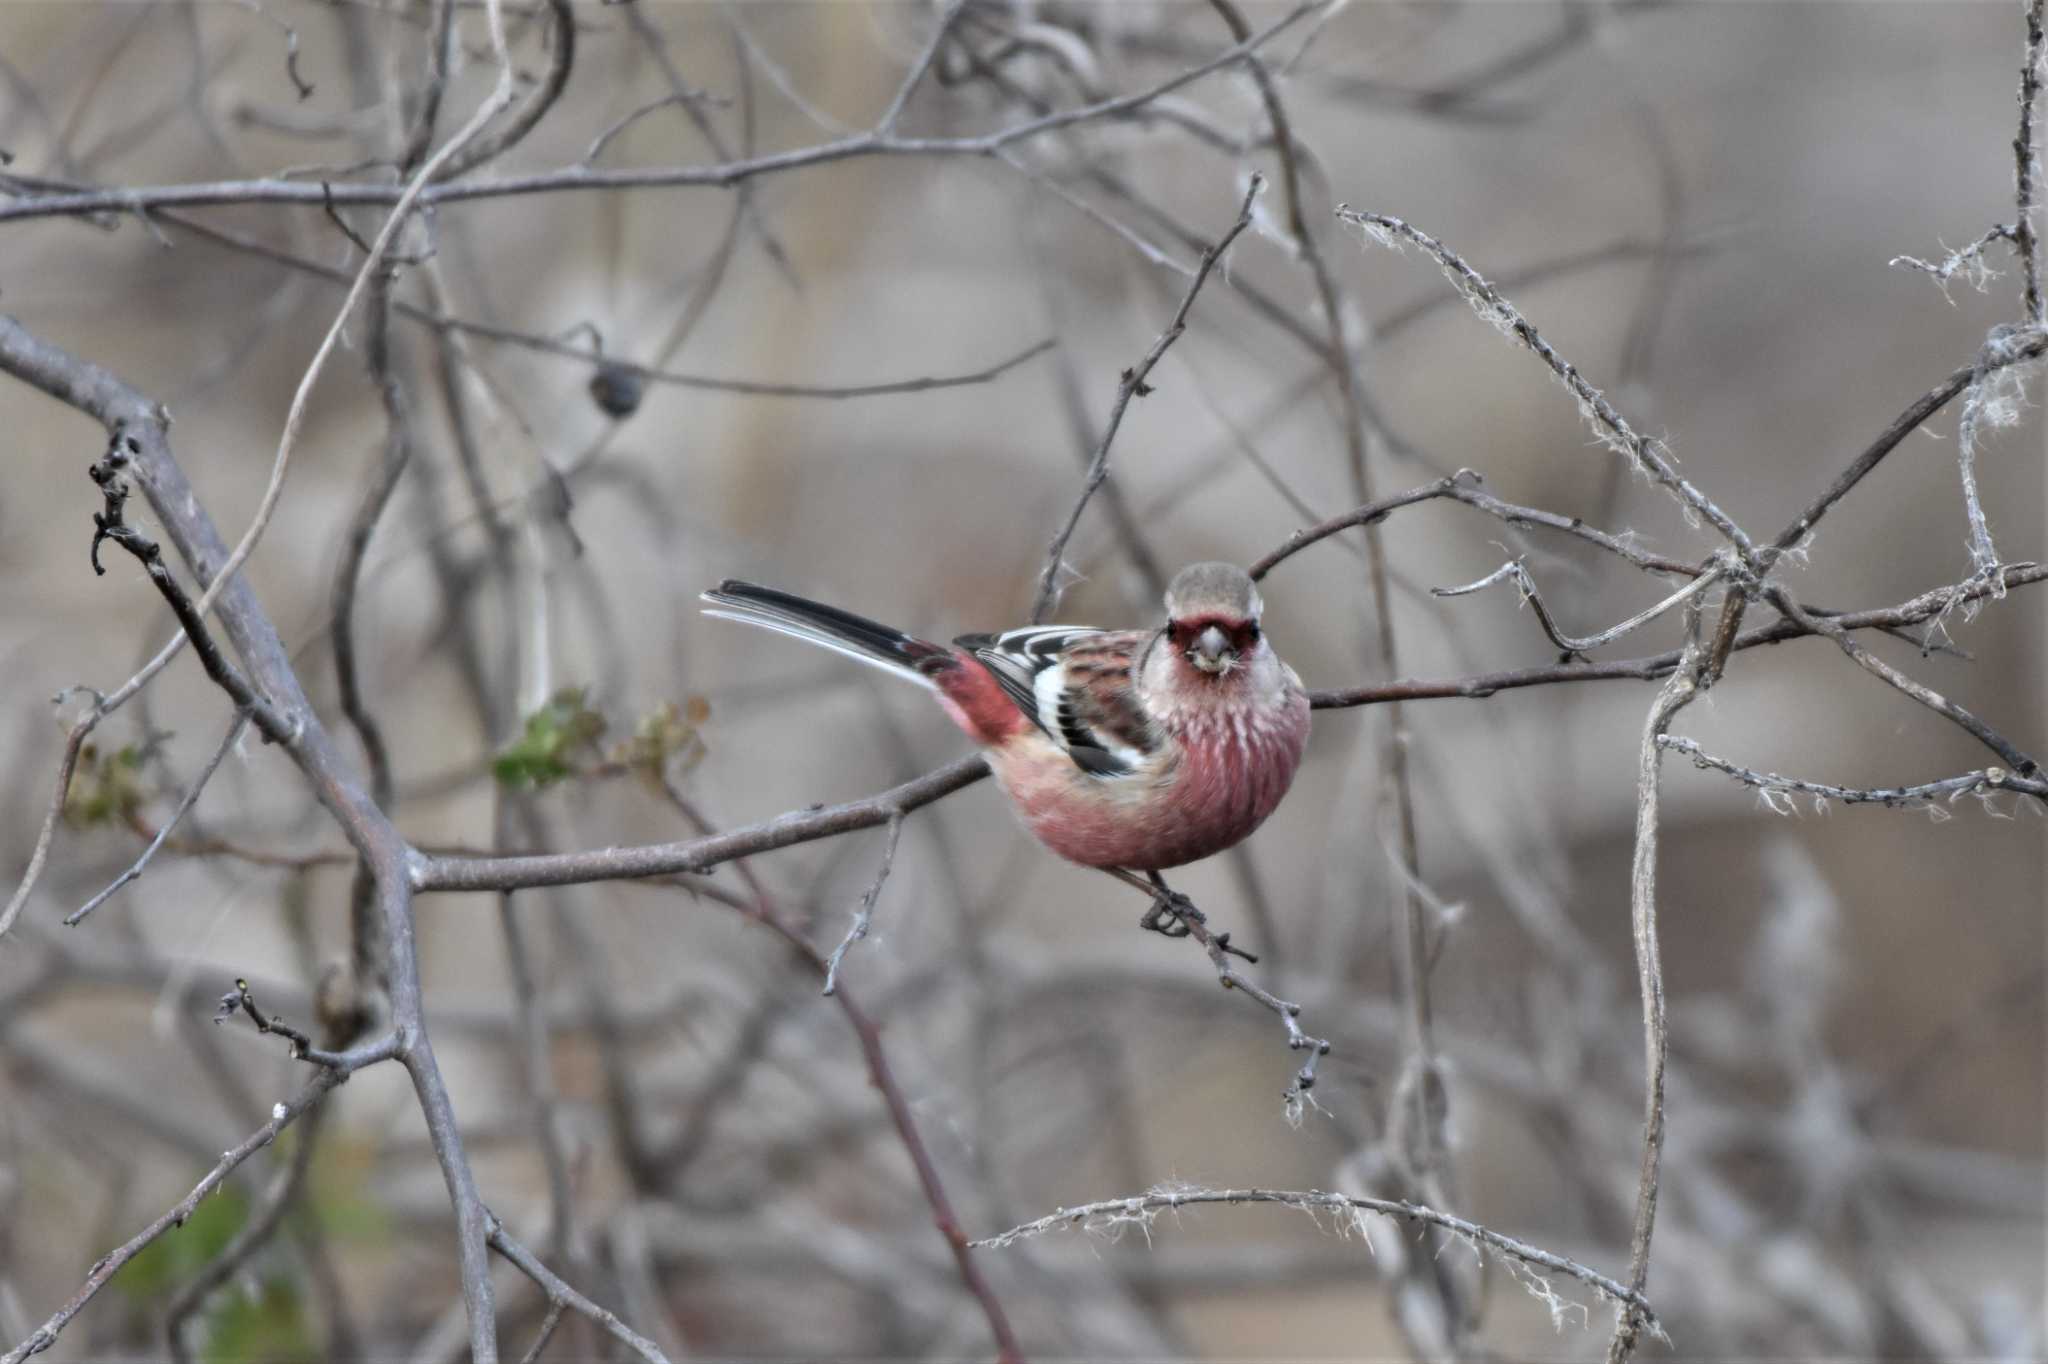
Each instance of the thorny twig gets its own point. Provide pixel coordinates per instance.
(1968, 259)
(1110, 1215)
(1646, 453)
(1983, 784)
(2027, 172)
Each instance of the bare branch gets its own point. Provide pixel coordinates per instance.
(401, 211)
(1133, 384)
(281, 1117)
(1644, 452)
(1672, 698)
(249, 1238)
(2029, 347)
(1464, 486)
(561, 1295)
(1111, 1214)
(886, 125)
(2027, 173)
(1513, 571)
(1173, 915)
(482, 149)
(144, 199)
(697, 854)
(689, 96)
(1838, 631)
(1982, 783)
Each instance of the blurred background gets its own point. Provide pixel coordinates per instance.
(1696, 203)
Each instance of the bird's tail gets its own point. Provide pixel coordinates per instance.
(842, 631)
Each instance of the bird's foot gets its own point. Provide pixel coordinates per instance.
(1169, 914)
(1173, 915)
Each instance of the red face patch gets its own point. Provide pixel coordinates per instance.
(1242, 634)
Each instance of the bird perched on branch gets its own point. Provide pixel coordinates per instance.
(1128, 750)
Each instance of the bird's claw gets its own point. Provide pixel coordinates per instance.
(1169, 915)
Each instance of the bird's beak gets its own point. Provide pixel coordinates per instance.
(1211, 651)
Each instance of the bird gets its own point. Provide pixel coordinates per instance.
(1131, 751)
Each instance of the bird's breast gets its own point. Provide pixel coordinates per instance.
(1216, 781)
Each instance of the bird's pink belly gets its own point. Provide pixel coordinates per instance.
(1209, 802)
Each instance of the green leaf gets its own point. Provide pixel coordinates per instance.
(667, 733)
(556, 734)
(105, 786)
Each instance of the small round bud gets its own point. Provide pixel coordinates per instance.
(616, 390)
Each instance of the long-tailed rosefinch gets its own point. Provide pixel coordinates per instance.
(1121, 749)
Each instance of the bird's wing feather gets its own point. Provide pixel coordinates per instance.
(1076, 685)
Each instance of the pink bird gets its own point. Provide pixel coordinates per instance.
(1127, 750)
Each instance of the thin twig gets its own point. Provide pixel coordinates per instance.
(1513, 571)
(1132, 384)
(1926, 696)
(471, 153)
(185, 803)
(886, 125)
(1174, 915)
(74, 742)
(559, 1292)
(548, 1323)
(1905, 424)
(864, 913)
(1464, 486)
(249, 1238)
(240, 1000)
(604, 139)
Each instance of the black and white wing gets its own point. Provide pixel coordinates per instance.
(1075, 684)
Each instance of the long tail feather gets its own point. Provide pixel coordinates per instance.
(841, 631)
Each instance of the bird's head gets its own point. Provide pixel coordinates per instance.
(1212, 618)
